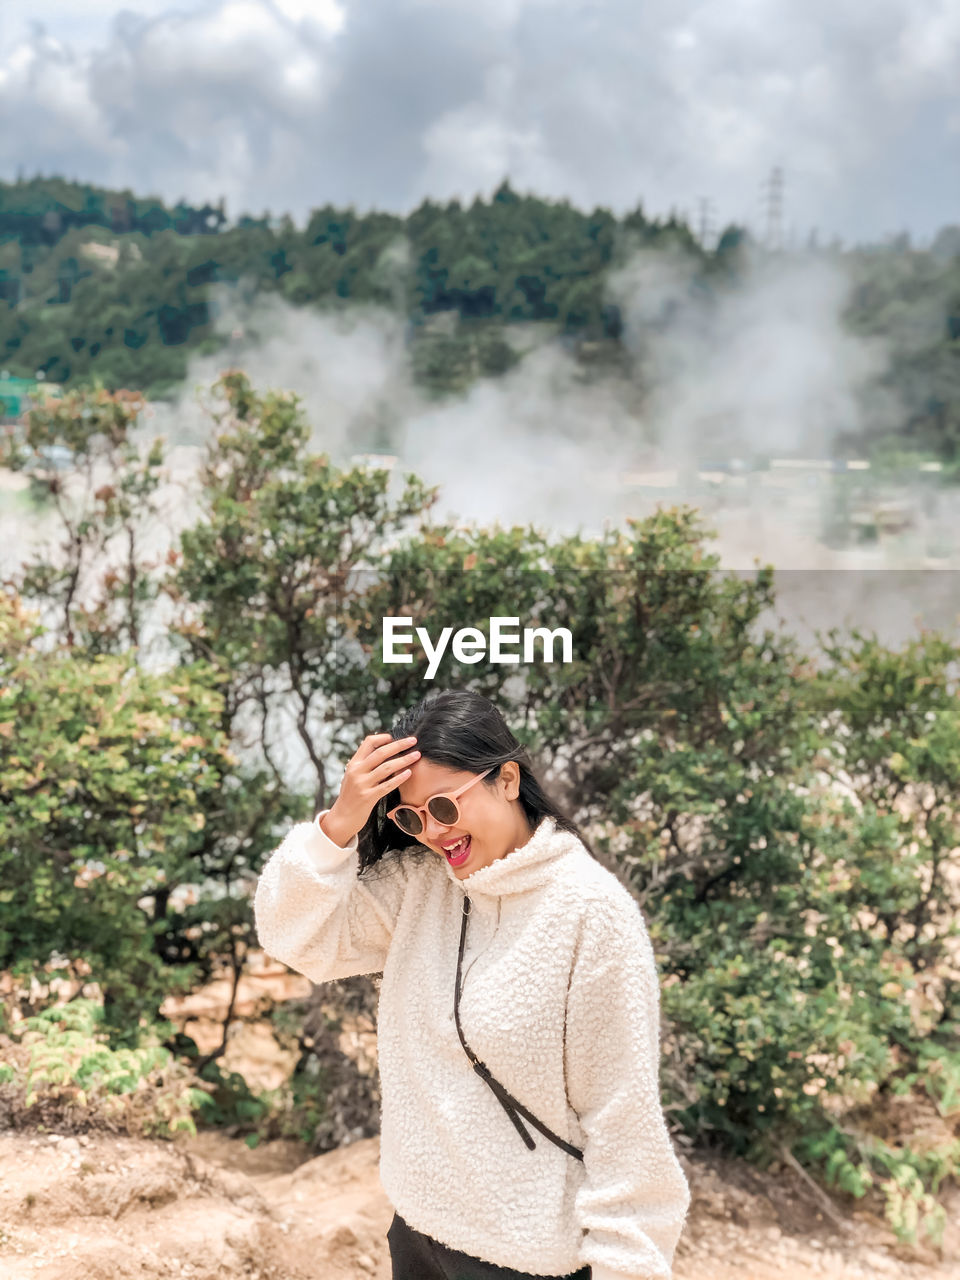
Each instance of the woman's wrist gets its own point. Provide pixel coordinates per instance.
(334, 828)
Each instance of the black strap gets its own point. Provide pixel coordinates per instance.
(506, 1100)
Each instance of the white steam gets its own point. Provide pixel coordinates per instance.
(762, 368)
(536, 446)
(349, 368)
(765, 367)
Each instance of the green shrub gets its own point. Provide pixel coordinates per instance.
(59, 1072)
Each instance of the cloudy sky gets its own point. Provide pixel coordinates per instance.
(286, 104)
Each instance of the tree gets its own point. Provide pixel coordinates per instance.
(104, 496)
(109, 777)
(270, 572)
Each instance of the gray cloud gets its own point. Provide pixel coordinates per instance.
(284, 104)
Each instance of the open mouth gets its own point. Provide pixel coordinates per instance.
(458, 851)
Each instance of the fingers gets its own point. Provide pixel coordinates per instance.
(370, 743)
(391, 766)
(379, 766)
(385, 748)
(390, 784)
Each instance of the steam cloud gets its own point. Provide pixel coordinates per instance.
(768, 370)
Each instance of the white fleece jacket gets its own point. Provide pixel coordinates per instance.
(559, 998)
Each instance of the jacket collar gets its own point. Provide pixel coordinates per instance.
(527, 867)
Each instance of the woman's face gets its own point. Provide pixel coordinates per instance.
(492, 821)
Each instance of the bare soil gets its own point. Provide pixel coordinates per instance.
(102, 1207)
(97, 1206)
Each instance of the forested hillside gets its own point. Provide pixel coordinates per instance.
(101, 285)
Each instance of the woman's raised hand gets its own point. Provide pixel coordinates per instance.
(379, 765)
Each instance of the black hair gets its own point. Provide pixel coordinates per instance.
(462, 730)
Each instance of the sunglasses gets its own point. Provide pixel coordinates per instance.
(442, 808)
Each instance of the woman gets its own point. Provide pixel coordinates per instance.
(518, 1026)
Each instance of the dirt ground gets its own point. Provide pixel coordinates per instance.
(102, 1207)
(99, 1207)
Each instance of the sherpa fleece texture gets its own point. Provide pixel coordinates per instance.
(559, 998)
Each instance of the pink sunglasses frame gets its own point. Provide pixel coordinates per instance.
(423, 812)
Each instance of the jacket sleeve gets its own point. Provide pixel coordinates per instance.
(634, 1197)
(315, 915)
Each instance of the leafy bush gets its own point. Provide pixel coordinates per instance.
(59, 1072)
(113, 780)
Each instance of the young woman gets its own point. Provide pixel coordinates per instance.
(518, 1028)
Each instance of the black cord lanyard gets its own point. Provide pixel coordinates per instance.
(506, 1100)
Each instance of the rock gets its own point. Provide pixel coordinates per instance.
(343, 1237)
(239, 1236)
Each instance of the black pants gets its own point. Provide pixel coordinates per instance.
(419, 1257)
